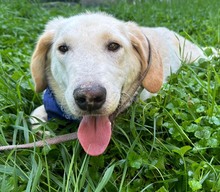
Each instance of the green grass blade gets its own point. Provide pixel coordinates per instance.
(183, 134)
(37, 175)
(106, 178)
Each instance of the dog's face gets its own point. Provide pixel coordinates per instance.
(89, 52)
(91, 61)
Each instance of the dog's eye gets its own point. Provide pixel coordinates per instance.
(63, 48)
(113, 46)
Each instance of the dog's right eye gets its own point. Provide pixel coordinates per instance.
(113, 46)
(63, 48)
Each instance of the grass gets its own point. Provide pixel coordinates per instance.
(167, 143)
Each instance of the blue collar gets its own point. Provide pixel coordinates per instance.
(52, 108)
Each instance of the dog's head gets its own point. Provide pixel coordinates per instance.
(91, 61)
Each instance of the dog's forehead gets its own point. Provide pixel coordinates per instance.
(89, 24)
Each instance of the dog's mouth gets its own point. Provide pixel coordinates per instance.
(94, 134)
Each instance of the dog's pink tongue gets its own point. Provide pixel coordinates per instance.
(94, 134)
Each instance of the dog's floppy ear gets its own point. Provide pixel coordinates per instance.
(38, 61)
(39, 57)
(154, 79)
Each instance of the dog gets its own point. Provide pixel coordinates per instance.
(89, 64)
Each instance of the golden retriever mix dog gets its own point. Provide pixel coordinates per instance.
(89, 65)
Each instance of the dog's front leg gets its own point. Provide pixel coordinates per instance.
(40, 114)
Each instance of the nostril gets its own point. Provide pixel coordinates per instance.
(80, 99)
(97, 100)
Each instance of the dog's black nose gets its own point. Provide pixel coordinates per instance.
(90, 97)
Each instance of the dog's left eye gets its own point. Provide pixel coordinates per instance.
(63, 48)
(113, 46)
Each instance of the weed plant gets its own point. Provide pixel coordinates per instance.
(168, 143)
